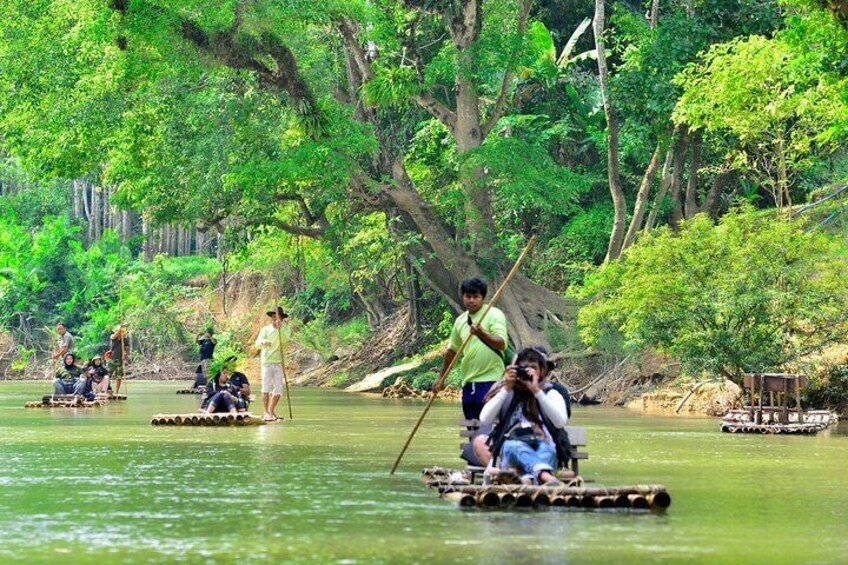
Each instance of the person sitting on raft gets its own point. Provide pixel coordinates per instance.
(529, 417)
(69, 378)
(227, 391)
(98, 374)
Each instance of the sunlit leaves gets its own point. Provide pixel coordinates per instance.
(749, 294)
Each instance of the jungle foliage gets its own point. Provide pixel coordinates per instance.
(366, 155)
(750, 293)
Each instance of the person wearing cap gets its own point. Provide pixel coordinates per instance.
(270, 337)
(98, 374)
(117, 349)
(529, 416)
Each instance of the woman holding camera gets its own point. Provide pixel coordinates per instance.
(218, 396)
(227, 390)
(529, 415)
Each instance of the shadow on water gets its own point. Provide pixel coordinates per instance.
(81, 485)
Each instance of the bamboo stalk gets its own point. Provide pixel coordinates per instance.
(488, 500)
(605, 502)
(523, 500)
(440, 381)
(638, 501)
(622, 501)
(659, 499)
(463, 499)
(541, 499)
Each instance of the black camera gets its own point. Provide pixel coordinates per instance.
(522, 374)
(232, 389)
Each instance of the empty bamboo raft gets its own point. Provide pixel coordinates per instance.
(621, 498)
(198, 390)
(739, 421)
(198, 419)
(64, 401)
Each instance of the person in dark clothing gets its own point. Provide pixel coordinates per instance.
(206, 344)
(228, 390)
(69, 379)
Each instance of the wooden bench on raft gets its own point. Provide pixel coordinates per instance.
(576, 437)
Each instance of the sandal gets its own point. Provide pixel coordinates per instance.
(506, 478)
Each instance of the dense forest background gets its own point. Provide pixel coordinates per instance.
(683, 163)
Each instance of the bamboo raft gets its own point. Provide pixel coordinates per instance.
(198, 390)
(199, 419)
(621, 498)
(812, 421)
(64, 401)
(768, 411)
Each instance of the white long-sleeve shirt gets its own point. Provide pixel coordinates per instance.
(552, 404)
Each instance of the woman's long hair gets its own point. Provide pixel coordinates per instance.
(522, 394)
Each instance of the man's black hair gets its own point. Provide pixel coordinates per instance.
(473, 286)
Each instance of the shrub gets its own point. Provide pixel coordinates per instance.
(828, 391)
(751, 293)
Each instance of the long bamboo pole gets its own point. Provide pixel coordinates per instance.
(440, 381)
(283, 365)
(123, 360)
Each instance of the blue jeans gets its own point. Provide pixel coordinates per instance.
(221, 401)
(63, 387)
(530, 460)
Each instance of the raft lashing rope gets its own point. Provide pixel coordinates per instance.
(199, 419)
(638, 498)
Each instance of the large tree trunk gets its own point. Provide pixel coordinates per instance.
(447, 263)
(692, 182)
(642, 199)
(720, 182)
(616, 189)
(665, 184)
(679, 165)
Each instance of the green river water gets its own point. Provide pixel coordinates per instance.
(103, 486)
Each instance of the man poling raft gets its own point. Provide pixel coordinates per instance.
(271, 343)
(449, 365)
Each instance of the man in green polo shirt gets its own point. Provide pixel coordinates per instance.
(482, 363)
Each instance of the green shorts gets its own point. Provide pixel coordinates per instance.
(116, 370)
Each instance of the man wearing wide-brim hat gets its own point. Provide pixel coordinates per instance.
(268, 342)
